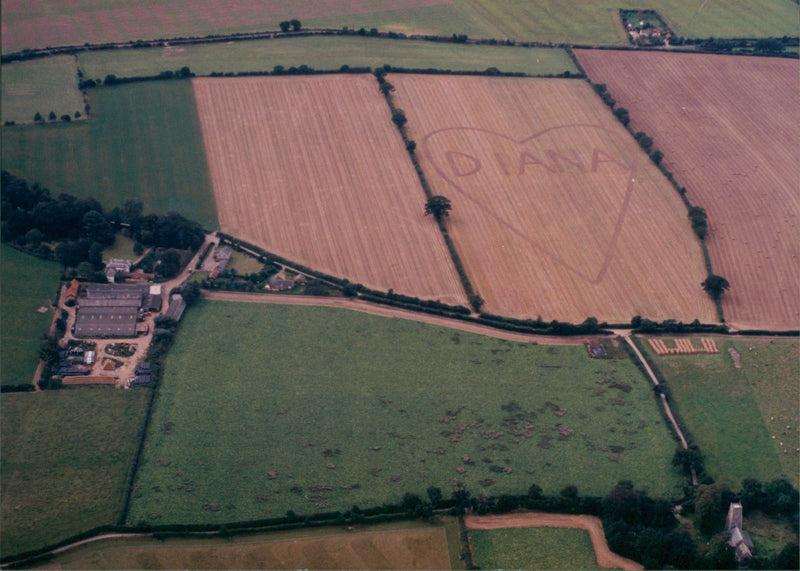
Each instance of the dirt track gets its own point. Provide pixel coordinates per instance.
(386, 311)
(605, 557)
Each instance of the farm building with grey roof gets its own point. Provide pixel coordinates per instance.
(112, 310)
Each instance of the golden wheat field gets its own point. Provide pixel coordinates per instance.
(556, 211)
(729, 130)
(313, 169)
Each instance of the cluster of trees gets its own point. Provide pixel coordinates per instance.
(292, 24)
(75, 231)
(66, 117)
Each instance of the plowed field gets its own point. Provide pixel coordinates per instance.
(729, 130)
(314, 169)
(556, 211)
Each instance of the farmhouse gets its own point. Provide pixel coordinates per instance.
(278, 283)
(112, 310)
(115, 266)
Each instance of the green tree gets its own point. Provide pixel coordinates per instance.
(715, 286)
(285, 25)
(190, 293)
(169, 263)
(434, 495)
(711, 505)
(52, 115)
(97, 228)
(688, 459)
(438, 206)
(38, 117)
(399, 117)
(699, 220)
(296, 24)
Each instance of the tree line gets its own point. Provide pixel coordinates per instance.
(75, 231)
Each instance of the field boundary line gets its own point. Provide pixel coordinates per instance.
(388, 311)
(605, 557)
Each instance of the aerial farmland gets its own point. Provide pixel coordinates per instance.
(421, 284)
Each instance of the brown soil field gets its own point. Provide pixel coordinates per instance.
(416, 548)
(556, 211)
(55, 23)
(313, 169)
(729, 129)
(605, 557)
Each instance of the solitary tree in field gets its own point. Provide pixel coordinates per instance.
(285, 25)
(715, 286)
(438, 206)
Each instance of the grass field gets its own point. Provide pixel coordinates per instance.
(593, 22)
(598, 22)
(320, 176)
(65, 462)
(406, 545)
(323, 52)
(720, 403)
(143, 142)
(41, 85)
(555, 208)
(121, 248)
(323, 396)
(28, 283)
(747, 180)
(533, 548)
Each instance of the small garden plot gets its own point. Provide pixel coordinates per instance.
(533, 548)
(745, 419)
(316, 409)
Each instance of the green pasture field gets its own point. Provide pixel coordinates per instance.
(260, 402)
(244, 264)
(27, 284)
(43, 85)
(323, 53)
(597, 22)
(142, 142)
(253, 551)
(593, 22)
(65, 462)
(745, 421)
(533, 548)
(122, 248)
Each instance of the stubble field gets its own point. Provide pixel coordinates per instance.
(388, 546)
(729, 130)
(314, 170)
(556, 212)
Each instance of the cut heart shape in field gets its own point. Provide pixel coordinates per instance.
(565, 190)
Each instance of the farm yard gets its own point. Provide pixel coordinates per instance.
(345, 419)
(554, 207)
(386, 546)
(721, 402)
(332, 189)
(65, 463)
(728, 129)
(323, 53)
(28, 287)
(105, 159)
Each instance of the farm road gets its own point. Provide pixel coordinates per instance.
(605, 557)
(386, 311)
